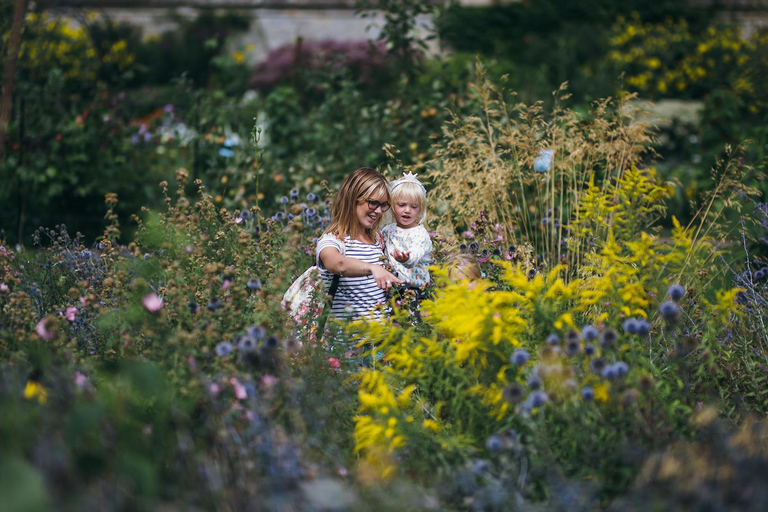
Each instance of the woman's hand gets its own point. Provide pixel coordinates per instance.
(384, 279)
(401, 256)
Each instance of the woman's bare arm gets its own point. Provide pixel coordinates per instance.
(335, 263)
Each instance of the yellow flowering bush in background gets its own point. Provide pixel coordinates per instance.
(590, 342)
(670, 60)
(60, 42)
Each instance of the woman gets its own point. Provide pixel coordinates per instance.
(352, 248)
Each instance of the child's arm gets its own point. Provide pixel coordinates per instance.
(420, 247)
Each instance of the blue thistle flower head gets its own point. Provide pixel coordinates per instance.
(224, 349)
(543, 161)
(214, 304)
(534, 382)
(538, 398)
(676, 292)
(463, 247)
(572, 347)
(643, 327)
(311, 197)
(497, 252)
(589, 350)
(587, 393)
(294, 193)
(479, 467)
(669, 310)
(513, 393)
(608, 338)
(630, 326)
(553, 339)
(253, 284)
(245, 215)
(246, 344)
(589, 332)
(610, 372)
(474, 246)
(494, 443)
(519, 357)
(284, 200)
(597, 365)
(256, 332)
(271, 342)
(622, 369)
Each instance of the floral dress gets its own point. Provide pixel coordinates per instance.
(415, 271)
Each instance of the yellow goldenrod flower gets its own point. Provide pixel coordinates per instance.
(35, 391)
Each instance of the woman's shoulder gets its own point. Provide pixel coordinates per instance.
(329, 239)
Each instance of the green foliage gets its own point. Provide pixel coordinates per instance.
(195, 49)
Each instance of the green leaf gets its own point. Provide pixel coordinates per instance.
(22, 488)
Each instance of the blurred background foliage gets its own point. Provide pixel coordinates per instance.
(99, 107)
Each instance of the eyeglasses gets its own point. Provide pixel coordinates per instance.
(372, 205)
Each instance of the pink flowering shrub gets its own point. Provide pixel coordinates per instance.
(367, 62)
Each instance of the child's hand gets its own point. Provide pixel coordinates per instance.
(401, 257)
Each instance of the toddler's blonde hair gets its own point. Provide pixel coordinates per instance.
(463, 266)
(411, 190)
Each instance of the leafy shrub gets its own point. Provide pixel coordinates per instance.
(669, 59)
(55, 43)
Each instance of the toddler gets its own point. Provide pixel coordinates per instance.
(409, 248)
(464, 267)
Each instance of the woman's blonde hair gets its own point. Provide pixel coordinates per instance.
(412, 192)
(463, 266)
(360, 185)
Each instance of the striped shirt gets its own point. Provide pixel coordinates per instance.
(356, 296)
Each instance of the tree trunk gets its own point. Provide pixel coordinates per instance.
(10, 69)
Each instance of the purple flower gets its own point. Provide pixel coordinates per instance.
(587, 393)
(152, 302)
